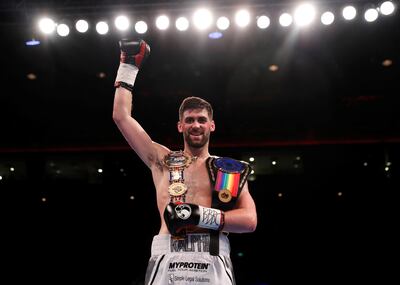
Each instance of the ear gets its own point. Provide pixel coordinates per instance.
(212, 126)
(179, 126)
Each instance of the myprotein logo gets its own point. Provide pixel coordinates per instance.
(189, 265)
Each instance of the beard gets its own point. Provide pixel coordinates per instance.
(198, 142)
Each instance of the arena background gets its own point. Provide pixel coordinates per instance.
(328, 117)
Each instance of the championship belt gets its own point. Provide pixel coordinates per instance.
(228, 176)
(176, 162)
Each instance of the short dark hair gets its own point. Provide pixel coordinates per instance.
(191, 103)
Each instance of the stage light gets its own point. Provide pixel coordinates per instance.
(141, 27)
(349, 12)
(182, 24)
(215, 35)
(202, 19)
(32, 42)
(285, 20)
(102, 28)
(242, 18)
(327, 18)
(371, 15)
(162, 22)
(223, 23)
(387, 8)
(82, 26)
(47, 26)
(122, 23)
(263, 22)
(304, 15)
(62, 30)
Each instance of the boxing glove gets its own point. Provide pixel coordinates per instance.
(132, 56)
(181, 216)
(134, 52)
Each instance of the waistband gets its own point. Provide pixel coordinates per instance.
(199, 242)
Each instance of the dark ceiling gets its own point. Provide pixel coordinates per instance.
(331, 85)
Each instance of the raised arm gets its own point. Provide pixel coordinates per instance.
(133, 54)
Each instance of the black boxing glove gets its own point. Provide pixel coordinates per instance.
(132, 56)
(181, 216)
(134, 52)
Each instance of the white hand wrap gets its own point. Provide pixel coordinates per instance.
(211, 218)
(127, 73)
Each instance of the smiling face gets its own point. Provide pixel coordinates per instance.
(196, 126)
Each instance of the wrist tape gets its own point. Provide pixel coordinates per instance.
(126, 73)
(211, 218)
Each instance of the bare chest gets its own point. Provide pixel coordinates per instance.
(198, 183)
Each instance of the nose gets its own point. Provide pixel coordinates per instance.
(196, 124)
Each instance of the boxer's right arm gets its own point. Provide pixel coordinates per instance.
(133, 54)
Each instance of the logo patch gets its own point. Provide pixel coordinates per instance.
(183, 211)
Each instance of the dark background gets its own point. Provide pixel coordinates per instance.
(329, 117)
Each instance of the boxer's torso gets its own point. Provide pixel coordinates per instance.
(196, 179)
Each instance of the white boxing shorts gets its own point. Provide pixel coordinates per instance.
(188, 261)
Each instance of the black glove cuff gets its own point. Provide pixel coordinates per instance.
(124, 85)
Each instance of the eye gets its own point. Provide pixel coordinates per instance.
(202, 120)
(189, 120)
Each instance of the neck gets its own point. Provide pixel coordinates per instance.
(201, 152)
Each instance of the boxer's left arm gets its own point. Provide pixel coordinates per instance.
(243, 218)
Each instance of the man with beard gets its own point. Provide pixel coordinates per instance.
(200, 198)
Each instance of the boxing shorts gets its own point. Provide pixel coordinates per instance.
(188, 261)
